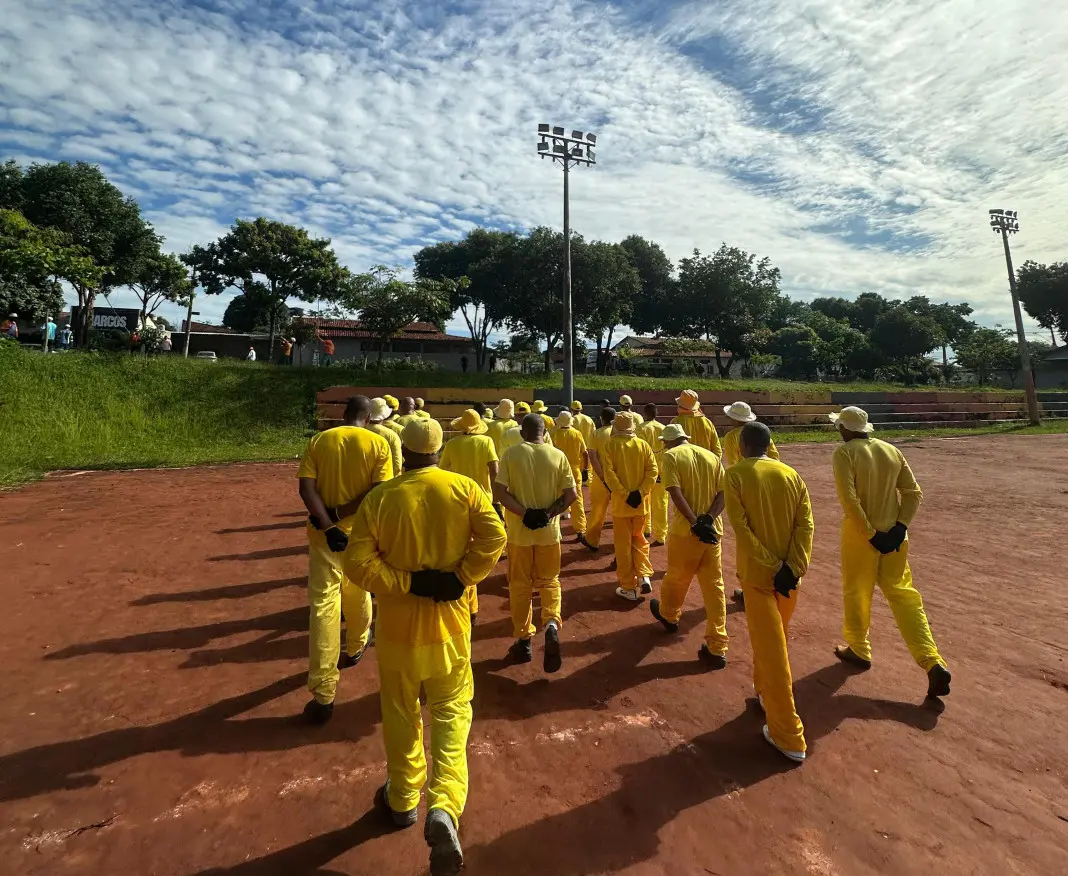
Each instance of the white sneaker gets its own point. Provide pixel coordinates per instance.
(646, 585)
(629, 595)
(795, 756)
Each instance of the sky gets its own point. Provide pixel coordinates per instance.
(859, 145)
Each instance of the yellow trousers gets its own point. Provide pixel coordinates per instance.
(768, 617)
(862, 568)
(600, 498)
(632, 551)
(530, 568)
(656, 513)
(329, 591)
(578, 507)
(448, 698)
(689, 556)
(471, 598)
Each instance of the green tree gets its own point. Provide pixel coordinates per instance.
(78, 200)
(275, 260)
(797, 347)
(252, 311)
(725, 297)
(475, 271)
(988, 350)
(1043, 291)
(163, 278)
(387, 304)
(903, 337)
(605, 285)
(655, 274)
(839, 342)
(532, 292)
(950, 319)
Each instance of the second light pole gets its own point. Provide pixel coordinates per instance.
(576, 149)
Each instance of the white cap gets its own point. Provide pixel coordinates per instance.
(740, 411)
(673, 432)
(854, 419)
(380, 409)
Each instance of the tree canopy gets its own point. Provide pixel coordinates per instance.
(1043, 291)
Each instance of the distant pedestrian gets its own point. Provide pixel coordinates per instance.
(493, 363)
(328, 350)
(287, 350)
(250, 356)
(10, 328)
(463, 364)
(66, 338)
(166, 345)
(48, 333)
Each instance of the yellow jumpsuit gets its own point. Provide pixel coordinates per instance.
(573, 445)
(600, 497)
(732, 448)
(537, 475)
(496, 432)
(425, 519)
(699, 474)
(656, 513)
(877, 489)
(395, 449)
(771, 515)
(629, 465)
(405, 419)
(701, 430)
(585, 425)
(344, 462)
(470, 455)
(392, 423)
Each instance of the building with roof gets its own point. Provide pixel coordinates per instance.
(420, 341)
(649, 355)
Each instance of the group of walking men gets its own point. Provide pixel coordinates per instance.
(396, 512)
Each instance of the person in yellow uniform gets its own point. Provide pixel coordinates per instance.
(502, 422)
(626, 403)
(538, 407)
(379, 412)
(535, 485)
(600, 495)
(771, 515)
(406, 411)
(569, 439)
(586, 426)
(420, 409)
(472, 453)
(419, 543)
(629, 472)
(702, 431)
(656, 520)
(391, 421)
(339, 467)
(693, 477)
(880, 497)
(740, 413)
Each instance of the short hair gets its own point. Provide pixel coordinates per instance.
(756, 436)
(532, 424)
(357, 408)
(651, 406)
(608, 414)
(481, 407)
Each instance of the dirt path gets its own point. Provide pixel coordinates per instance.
(154, 634)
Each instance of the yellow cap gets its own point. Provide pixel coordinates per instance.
(522, 408)
(391, 401)
(419, 403)
(470, 423)
(422, 436)
(576, 405)
(538, 406)
(623, 424)
(688, 401)
(563, 419)
(506, 409)
(626, 400)
(487, 415)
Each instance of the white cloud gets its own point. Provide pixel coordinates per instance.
(764, 123)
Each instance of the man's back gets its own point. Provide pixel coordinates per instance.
(470, 455)
(586, 426)
(732, 447)
(497, 430)
(771, 500)
(537, 475)
(570, 441)
(871, 472)
(627, 456)
(649, 432)
(394, 442)
(699, 474)
(701, 430)
(345, 461)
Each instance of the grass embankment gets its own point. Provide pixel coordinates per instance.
(75, 411)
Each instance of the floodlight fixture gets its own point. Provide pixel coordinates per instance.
(543, 129)
(558, 131)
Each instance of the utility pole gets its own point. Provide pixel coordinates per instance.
(1005, 222)
(576, 149)
(189, 322)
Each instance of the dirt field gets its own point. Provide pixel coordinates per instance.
(154, 634)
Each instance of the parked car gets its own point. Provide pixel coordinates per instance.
(207, 356)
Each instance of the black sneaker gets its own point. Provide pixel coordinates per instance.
(738, 596)
(317, 713)
(938, 679)
(446, 856)
(710, 660)
(581, 539)
(522, 651)
(399, 819)
(346, 661)
(654, 608)
(552, 661)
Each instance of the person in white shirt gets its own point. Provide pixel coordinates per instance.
(251, 357)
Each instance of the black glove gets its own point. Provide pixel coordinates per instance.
(585, 476)
(634, 499)
(705, 529)
(437, 585)
(878, 541)
(536, 518)
(896, 536)
(336, 540)
(785, 581)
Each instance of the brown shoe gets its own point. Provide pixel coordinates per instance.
(847, 655)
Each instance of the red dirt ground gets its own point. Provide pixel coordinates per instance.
(154, 634)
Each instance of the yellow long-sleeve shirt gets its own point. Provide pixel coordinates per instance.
(392, 423)
(771, 515)
(537, 475)
(470, 455)
(571, 442)
(628, 465)
(396, 450)
(732, 448)
(701, 430)
(875, 485)
(586, 426)
(405, 419)
(425, 519)
(345, 462)
(649, 432)
(496, 432)
(699, 474)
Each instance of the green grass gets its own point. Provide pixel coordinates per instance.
(821, 436)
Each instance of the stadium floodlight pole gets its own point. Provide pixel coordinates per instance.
(1005, 222)
(576, 149)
